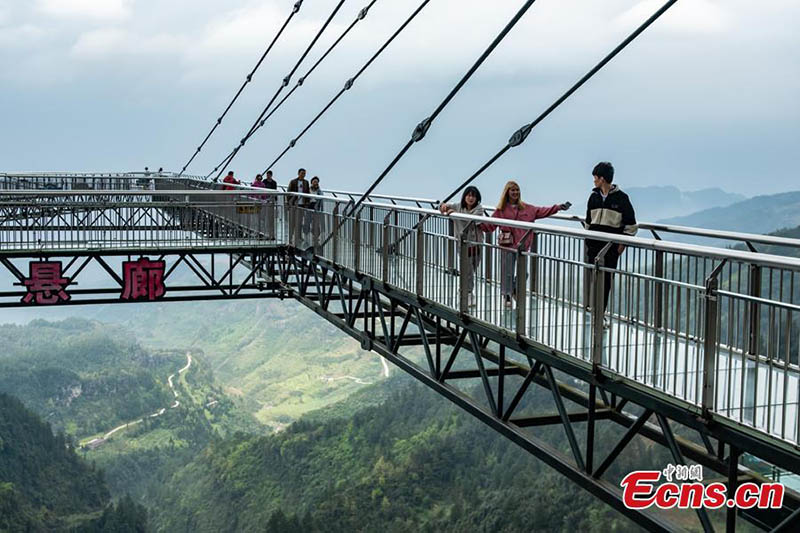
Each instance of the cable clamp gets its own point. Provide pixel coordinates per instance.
(292, 143)
(363, 13)
(249, 77)
(300, 81)
(421, 130)
(286, 80)
(349, 84)
(297, 6)
(520, 135)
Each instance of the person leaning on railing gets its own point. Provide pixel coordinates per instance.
(470, 204)
(608, 210)
(512, 207)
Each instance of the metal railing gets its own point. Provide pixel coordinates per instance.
(715, 328)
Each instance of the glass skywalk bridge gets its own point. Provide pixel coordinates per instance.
(694, 332)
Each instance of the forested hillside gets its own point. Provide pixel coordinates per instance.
(411, 463)
(81, 376)
(275, 357)
(45, 486)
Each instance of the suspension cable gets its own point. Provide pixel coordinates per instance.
(361, 15)
(349, 83)
(522, 134)
(422, 128)
(247, 80)
(227, 161)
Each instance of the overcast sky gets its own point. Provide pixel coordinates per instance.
(706, 97)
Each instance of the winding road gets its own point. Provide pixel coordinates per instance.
(163, 409)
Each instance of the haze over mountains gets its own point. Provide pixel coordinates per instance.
(658, 202)
(715, 208)
(760, 214)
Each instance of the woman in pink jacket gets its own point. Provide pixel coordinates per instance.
(512, 207)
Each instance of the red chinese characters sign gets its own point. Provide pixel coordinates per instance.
(143, 280)
(45, 283)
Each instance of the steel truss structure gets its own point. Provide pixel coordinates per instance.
(221, 274)
(387, 320)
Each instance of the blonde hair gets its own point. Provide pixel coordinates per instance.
(504, 197)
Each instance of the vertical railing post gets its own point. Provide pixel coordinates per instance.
(521, 293)
(487, 273)
(710, 344)
(587, 275)
(357, 241)
(534, 266)
(315, 226)
(420, 259)
(335, 234)
(371, 230)
(658, 300)
(464, 270)
(385, 248)
(754, 333)
(598, 306)
(451, 260)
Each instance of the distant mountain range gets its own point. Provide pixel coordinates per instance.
(760, 214)
(655, 203)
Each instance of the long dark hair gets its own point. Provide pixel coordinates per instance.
(468, 190)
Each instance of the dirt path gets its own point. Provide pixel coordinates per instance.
(163, 409)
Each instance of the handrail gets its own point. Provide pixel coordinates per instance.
(751, 238)
(640, 242)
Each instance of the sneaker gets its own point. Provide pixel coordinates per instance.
(606, 323)
(507, 302)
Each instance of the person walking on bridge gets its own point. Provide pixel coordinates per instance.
(271, 185)
(608, 210)
(510, 239)
(313, 209)
(258, 183)
(470, 204)
(295, 204)
(229, 182)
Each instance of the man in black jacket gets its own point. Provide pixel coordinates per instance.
(299, 184)
(609, 210)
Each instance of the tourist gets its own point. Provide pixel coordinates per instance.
(258, 183)
(313, 207)
(470, 204)
(270, 183)
(608, 210)
(512, 207)
(230, 181)
(297, 185)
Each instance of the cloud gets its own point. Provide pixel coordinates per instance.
(93, 9)
(24, 36)
(105, 43)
